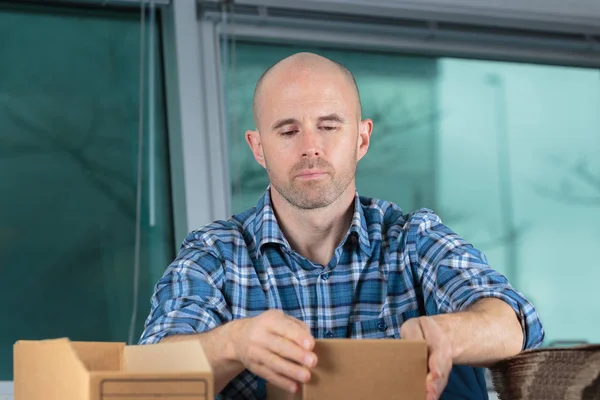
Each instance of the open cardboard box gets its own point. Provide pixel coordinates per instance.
(348, 369)
(59, 369)
(362, 370)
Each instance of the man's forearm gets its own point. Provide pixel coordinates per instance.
(219, 351)
(485, 333)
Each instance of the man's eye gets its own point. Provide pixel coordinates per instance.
(289, 133)
(329, 128)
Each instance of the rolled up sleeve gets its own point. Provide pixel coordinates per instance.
(454, 275)
(188, 298)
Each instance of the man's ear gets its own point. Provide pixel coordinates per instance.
(253, 140)
(365, 128)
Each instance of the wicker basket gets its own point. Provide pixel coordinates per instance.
(550, 374)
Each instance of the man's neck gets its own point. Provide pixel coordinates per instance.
(315, 233)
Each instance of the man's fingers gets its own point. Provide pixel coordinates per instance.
(440, 356)
(302, 324)
(290, 350)
(281, 366)
(439, 345)
(439, 361)
(411, 330)
(276, 379)
(432, 389)
(293, 330)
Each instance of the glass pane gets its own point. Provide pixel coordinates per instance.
(506, 153)
(69, 99)
(521, 145)
(398, 93)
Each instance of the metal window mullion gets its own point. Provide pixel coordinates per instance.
(355, 39)
(215, 132)
(586, 21)
(189, 153)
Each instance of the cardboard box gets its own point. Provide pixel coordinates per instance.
(362, 370)
(59, 369)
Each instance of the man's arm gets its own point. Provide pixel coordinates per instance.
(482, 314)
(272, 345)
(472, 314)
(188, 304)
(486, 332)
(219, 352)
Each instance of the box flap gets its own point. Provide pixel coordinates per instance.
(369, 368)
(48, 369)
(100, 356)
(179, 356)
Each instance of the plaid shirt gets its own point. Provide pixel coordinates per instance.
(388, 268)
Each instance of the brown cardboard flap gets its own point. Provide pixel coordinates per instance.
(48, 369)
(100, 356)
(180, 356)
(363, 369)
(63, 370)
(368, 368)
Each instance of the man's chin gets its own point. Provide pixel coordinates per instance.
(313, 202)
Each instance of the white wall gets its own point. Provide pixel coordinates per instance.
(6, 390)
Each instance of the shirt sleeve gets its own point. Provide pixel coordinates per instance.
(454, 275)
(188, 298)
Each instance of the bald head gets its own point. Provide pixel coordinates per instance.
(301, 65)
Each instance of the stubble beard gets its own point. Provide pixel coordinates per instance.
(312, 194)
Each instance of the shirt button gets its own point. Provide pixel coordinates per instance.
(325, 276)
(382, 327)
(329, 334)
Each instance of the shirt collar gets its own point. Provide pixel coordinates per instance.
(266, 229)
(359, 226)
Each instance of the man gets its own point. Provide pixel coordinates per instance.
(315, 260)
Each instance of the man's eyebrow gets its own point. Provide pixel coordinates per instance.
(332, 118)
(282, 122)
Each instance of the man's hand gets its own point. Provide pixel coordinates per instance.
(275, 347)
(439, 348)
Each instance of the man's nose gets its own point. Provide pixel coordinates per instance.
(310, 143)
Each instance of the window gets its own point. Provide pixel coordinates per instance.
(398, 93)
(506, 153)
(69, 100)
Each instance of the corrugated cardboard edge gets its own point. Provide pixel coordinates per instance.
(567, 371)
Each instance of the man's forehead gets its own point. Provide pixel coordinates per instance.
(296, 77)
(304, 102)
(323, 77)
(304, 86)
(304, 109)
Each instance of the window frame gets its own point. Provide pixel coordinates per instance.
(199, 143)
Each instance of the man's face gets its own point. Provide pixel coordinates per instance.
(309, 138)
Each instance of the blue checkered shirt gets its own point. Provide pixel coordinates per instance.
(388, 268)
